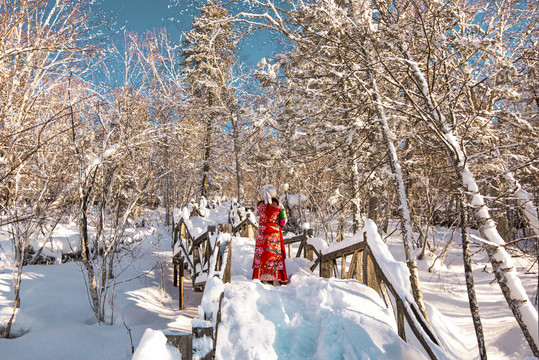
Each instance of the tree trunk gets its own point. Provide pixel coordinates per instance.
(237, 149)
(204, 189)
(474, 308)
(525, 201)
(501, 261)
(404, 212)
(21, 252)
(167, 188)
(86, 258)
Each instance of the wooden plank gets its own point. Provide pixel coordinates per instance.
(183, 252)
(252, 231)
(372, 274)
(419, 334)
(208, 251)
(174, 236)
(316, 263)
(419, 318)
(385, 295)
(345, 251)
(301, 247)
(400, 319)
(343, 267)
(200, 239)
(196, 256)
(246, 229)
(294, 239)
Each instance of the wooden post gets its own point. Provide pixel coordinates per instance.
(359, 267)
(335, 271)
(182, 231)
(228, 268)
(174, 236)
(364, 266)
(326, 268)
(309, 252)
(308, 249)
(180, 286)
(343, 267)
(218, 320)
(251, 231)
(353, 266)
(181, 341)
(175, 267)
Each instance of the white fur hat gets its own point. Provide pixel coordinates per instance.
(268, 192)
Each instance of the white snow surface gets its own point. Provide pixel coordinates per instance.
(309, 318)
(153, 345)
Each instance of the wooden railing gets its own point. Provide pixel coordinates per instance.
(304, 250)
(195, 255)
(364, 267)
(245, 229)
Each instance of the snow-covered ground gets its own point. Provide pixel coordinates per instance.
(310, 318)
(445, 289)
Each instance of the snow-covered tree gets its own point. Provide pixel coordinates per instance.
(43, 52)
(208, 53)
(455, 70)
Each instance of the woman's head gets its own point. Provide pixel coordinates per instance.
(268, 193)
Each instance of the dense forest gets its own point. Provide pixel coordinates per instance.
(424, 111)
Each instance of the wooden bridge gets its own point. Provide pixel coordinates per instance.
(208, 255)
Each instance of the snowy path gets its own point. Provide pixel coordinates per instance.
(311, 318)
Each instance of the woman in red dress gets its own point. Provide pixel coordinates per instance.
(268, 264)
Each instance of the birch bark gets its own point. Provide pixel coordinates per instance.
(508, 279)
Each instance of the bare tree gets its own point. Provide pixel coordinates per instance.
(42, 46)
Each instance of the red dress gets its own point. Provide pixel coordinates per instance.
(268, 263)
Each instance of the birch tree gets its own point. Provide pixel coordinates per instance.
(440, 70)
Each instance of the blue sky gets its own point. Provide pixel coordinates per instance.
(146, 15)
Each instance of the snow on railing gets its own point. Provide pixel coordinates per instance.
(373, 264)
